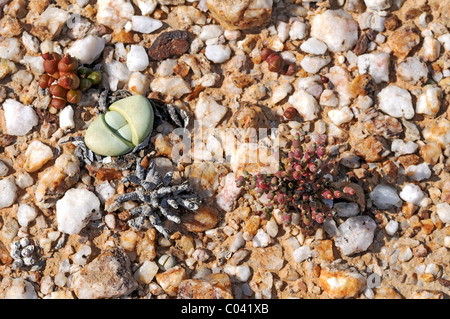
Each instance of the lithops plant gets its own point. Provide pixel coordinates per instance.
(126, 124)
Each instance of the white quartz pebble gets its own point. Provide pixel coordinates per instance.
(340, 116)
(19, 118)
(237, 243)
(26, 214)
(431, 49)
(145, 24)
(139, 83)
(210, 32)
(208, 112)
(429, 102)
(313, 46)
(336, 28)
(305, 104)
(146, 6)
(302, 253)
(401, 148)
(114, 13)
(217, 53)
(8, 191)
(376, 64)
(298, 30)
(443, 210)
(445, 41)
(80, 258)
(261, 239)
(75, 209)
(88, 49)
(396, 102)
(313, 64)
(146, 272)
(20, 289)
(137, 58)
(280, 91)
(36, 156)
(412, 70)
(243, 273)
(391, 227)
(174, 86)
(66, 121)
(384, 197)
(283, 31)
(412, 193)
(356, 234)
(378, 4)
(418, 172)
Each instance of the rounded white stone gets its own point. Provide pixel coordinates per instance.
(356, 234)
(391, 227)
(210, 32)
(313, 46)
(443, 210)
(396, 102)
(341, 116)
(412, 193)
(75, 209)
(336, 28)
(19, 118)
(26, 214)
(8, 192)
(217, 53)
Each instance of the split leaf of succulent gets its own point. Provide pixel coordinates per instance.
(73, 96)
(290, 113)
(299, 186)
(57, 90)
(85, 84)
(95, 77)
(67, 64)
(43, 81)
(58, 102)
(51, 62)
(69, 81)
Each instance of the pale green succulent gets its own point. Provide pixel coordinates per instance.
(124, 126)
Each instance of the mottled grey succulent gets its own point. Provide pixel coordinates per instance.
(25, 254)
(159, 199)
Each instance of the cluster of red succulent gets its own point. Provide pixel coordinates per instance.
(300, 185)
(276, 63)
(64, 80)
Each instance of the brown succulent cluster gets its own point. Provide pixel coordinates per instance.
(276, 63)
(65, 80)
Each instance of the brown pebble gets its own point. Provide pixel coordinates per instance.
(392, 22)
(168, 45)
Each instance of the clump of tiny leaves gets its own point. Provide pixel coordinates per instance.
(300, 185)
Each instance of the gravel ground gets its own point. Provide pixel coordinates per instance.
(368, 78)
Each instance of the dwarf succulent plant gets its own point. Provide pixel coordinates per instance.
(301, 185)
(64, 80)
(126, 124)
(276, 63)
